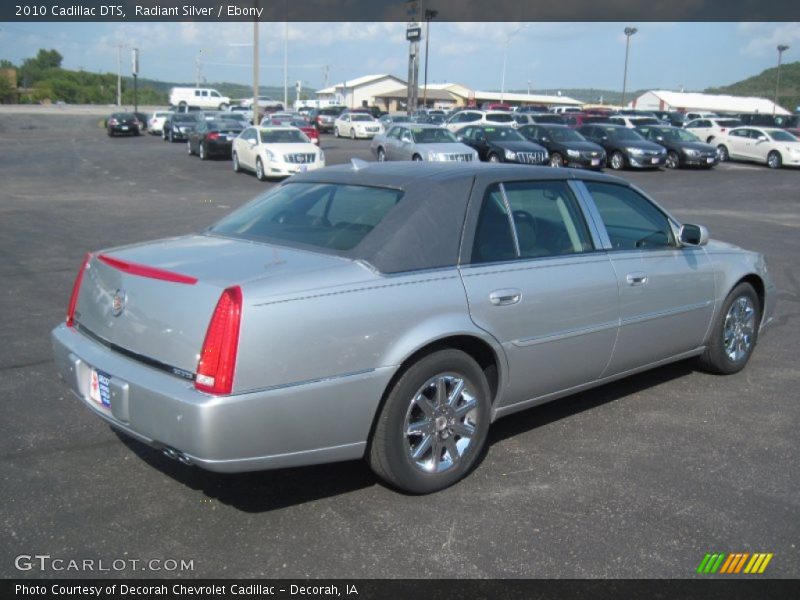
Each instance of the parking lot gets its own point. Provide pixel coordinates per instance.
(638, 478)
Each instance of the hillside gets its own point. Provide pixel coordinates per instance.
(763, 85)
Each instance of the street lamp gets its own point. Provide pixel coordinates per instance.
(629, 31)
(781, 49)
(505, 56)
(429, 14)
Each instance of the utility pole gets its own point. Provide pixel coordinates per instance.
(429, 14)
(135, 73)
(255, 68)
(413, 35)
(629, 31)
(781, 49)
(119, 74)
(286, 66)
(198, 68)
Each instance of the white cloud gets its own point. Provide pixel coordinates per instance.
(762, 39)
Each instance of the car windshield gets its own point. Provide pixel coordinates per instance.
(500, 118)
(331, 216)
(432, 135)
(283, 136)
(360, 117)
(679, 135)
(623, 134)
(782, 136)
(565, 134)
(503, 134)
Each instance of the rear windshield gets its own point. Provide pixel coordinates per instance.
(500, 118)
(283, 136)
(323, 215)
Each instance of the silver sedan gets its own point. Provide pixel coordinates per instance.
(416, 141)
(392, 312)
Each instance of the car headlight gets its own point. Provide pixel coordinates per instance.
(270, 154)
(573, 153)
(635, 151)
(510, 155)
(793, 149)
(690, 152)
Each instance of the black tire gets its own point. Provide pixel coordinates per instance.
(201, 151)
(416, 158)
(171, 137)
(673, 160)
(717, 357)
(389, 452)
(164, 134)
(616, 161)
(110, 133)
(774, 160)
(189, 147)
(494, 158)
(336, 132)
(223, 106)
(556, 160)
(181, 106)
(236, 166)
(261, 175)
(722, 153)
(381, 155)
(352, 133)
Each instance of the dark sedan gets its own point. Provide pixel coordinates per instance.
(178, 126)
(683, 147)
(124, 123)
(567, 147)
(625, 147)
(213, 138)
(502, 144)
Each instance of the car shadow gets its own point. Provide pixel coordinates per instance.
(264, 491)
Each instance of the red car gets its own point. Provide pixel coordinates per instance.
(303, 125)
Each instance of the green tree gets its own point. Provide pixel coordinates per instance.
(6, 64)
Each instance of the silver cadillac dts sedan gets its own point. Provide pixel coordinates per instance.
(392, 311)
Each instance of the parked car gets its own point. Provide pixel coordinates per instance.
(143, 118)
(264, 102)
(710, 129)
(531, 109)
(272, 152)
(394, 119)
(560, 110)
(773, 147)
(430, 119)
(213, 138)
(496, 106)
(530, 118)
(576, 120)
(178, 126)
(684, 149)
(356, 125)
(281, 336)
(200, 97)
(478, 117)
(632, 121)
(790, 123)
(625, 147)
(156, 124)
(302, 124)
(122, 123)
(567, 147)
(691, 116)
(245, 113)
(502, 144)
(420, 142)
(324, 118)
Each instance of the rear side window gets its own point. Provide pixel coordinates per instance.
(631, 220)
(330, 216)
(529, 219)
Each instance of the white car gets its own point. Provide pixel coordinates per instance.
(713, 127)
(356, 125)
(691, 116)
(632, 122)
(771, 146)
(263, 102)
(201, 97)
(479, 117)
(275, 152)
(156, 123)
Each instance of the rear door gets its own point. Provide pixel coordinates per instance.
(666, 291)
(536, 282)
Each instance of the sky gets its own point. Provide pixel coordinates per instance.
(542, 56)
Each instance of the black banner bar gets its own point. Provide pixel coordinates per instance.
(396, 10)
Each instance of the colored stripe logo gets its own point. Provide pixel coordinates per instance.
(734, 563)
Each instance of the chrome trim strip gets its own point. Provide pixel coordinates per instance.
(665, 313)
(563, 335)
(284, 386)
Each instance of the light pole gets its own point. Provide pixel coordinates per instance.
(629, 31)
(429, 14)
(781, 49)
(286, 66)
(505, 56)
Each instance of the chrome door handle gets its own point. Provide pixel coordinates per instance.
(505, 297)
(636, 278)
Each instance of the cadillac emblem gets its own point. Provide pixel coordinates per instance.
(118, 302)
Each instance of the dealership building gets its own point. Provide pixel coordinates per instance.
(695, 102)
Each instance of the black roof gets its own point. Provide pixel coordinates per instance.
(424, 230)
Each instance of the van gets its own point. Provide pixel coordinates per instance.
(200, 97)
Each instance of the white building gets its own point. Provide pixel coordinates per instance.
(355, 92)
(694, 102)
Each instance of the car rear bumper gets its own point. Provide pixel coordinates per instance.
(219, 148)
(700, 161)
(585, 163)
(646, 162)
(293, 425)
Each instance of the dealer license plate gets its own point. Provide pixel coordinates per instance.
(100, 388)
(709, 160)
(654, 161)
(595, 162)
(124, 128)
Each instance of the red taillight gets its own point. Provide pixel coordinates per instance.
(213, 135)
(145, 271)
(76, 288)
(722, 129)
(218, 357)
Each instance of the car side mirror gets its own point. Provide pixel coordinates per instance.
(762, 138)
(659, 138)
(693, 235)
(544, 139)
(603, 138)
(460, 138)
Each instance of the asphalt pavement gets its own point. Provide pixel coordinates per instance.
(639, 478)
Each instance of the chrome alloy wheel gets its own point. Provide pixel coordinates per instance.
(739, 329)
(440, 423)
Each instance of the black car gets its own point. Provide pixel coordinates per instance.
(625, 147)
(567, 147)
(123, 123)
(178, 126)
(213, 138)
(502, 144)
(683, 147)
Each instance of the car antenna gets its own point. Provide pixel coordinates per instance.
(358, 164)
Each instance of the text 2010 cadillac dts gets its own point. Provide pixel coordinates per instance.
(393, 311)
